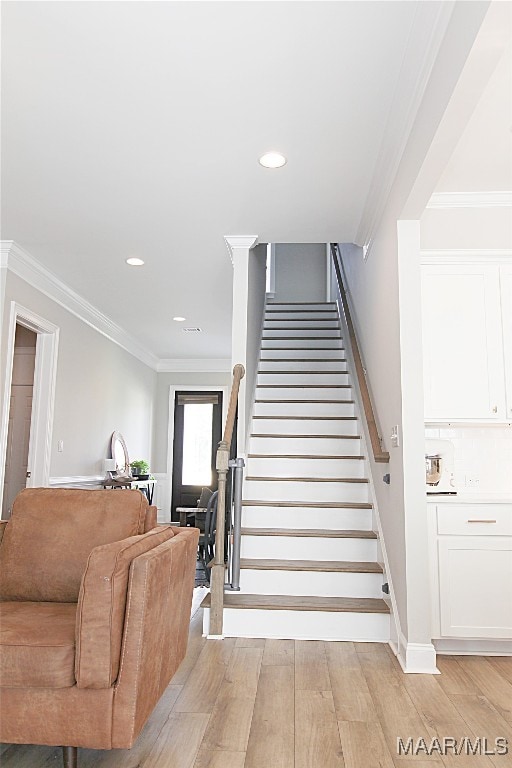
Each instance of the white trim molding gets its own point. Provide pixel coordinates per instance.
(76, 481)
(194, 365)
(22, 264)
(462, 646)
(467, 256)
(498, 199)
(416, 658)
(246, 242)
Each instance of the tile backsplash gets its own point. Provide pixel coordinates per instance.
(483, 456)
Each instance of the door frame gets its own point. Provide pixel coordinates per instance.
(45, 373)
(170, 434)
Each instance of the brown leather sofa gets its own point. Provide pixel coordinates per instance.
(94, 613)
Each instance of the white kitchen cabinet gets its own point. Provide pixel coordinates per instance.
(506, 311)
(471, 567)
(463, 343)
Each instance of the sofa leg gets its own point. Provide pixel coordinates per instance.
(70, 757)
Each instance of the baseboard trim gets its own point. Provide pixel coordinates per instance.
(473, 647)
(415, 658)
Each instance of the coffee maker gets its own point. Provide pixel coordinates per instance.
(439, 467)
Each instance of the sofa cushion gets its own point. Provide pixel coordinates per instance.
(37, 644)
(101, 606)
(52, 532)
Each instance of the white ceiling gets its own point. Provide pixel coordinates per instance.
(134, 128)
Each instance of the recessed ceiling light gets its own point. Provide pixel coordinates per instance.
(133, 262)
(179, 319)
(273, 160)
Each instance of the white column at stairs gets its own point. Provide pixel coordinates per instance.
(239, 247)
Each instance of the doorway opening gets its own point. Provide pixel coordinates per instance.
(20, 416)
(197, 433)
(28, 402)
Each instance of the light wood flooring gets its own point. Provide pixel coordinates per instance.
(298, 704)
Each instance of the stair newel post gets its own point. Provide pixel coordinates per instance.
(218, 567)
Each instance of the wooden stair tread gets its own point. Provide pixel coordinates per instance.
(298, 456)
(330, 402)
(295, 311)
(333, 360)
(303, 349)
(334, 566)
(304, 386)
(301, 603)
(309, 504)
(308, 479)
(300, 338)
(316, 533)
(271, 417)
(316, 437)
(303, 373)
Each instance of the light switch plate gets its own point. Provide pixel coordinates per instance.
(395, 436)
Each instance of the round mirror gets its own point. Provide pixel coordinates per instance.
(119, 453)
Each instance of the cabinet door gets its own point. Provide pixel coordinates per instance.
(475, 586)
(462, 343)
(506, 310)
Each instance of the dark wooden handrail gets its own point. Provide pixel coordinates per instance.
(222, 466)
(378, 454)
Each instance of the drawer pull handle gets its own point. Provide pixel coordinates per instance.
(482, 521)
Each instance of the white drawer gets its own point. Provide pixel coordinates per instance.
(475, 519)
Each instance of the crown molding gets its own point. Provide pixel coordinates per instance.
(498, 199)
(467, 256)
(245, 242)
(20, 263)
(194, 365)
(409, 93)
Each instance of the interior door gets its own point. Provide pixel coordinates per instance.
(197, 433)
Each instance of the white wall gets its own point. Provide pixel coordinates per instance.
(99, 388)
(471, 228)
(255, 310)
(301, 272)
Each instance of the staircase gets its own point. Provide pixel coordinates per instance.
(309, 565)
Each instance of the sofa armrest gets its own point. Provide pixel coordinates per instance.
(101, 606)
(3, 523)
(156, 631)
(151, 519)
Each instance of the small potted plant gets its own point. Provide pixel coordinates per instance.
(140, 469)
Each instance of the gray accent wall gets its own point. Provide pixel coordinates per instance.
(301, 272)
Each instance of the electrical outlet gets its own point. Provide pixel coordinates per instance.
(395, 436)
(472, 481)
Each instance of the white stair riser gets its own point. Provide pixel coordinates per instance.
(305, 467)
(310, 583)
(299, 305)
(304, 625)
(280, 490)
(272, 426)
(291, 343)
(292, 445)
(338, 366)
(290, 333)
(303, 393)
(272, 314)
(296, 518)
(303, 378)
(309, 548)
(311, 354)
(300, 409)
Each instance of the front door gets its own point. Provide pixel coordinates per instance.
(197, 433)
